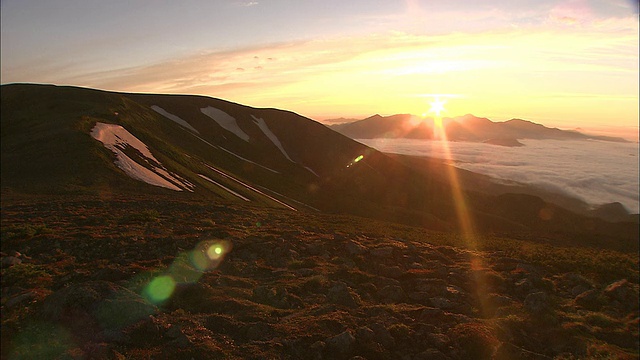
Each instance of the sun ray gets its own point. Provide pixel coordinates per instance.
(463, 212)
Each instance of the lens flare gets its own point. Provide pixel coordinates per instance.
(160, 289)
(208, 254)
(188, 267)
(356, 160)
(214, 252)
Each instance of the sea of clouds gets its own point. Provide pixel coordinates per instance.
(597, 172)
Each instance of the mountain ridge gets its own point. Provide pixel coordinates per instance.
(461, 128)
(269, 157)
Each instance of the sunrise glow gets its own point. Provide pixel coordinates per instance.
(561, 64)
(437, 106)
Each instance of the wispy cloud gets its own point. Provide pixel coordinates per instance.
(386, 72)
(246, 3)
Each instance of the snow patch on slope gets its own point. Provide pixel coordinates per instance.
(274, 139)
(116, 138)
(226, 121)
(172, 117)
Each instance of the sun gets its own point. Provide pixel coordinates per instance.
(437, 106)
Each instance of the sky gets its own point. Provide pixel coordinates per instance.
(565, 63)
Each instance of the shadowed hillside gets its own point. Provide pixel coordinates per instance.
(204, 148)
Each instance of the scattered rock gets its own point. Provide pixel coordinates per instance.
(340, 294)
(383, 336)
(382, 252)
(182, 341)
(392, 294)
(624, 293)
(430, 354)
(474, 340)
(441, 303)
(431, 286)
(18, 299)
(525, 286)
(341, 343)
(277, 297)
(89, 306)
(355, 248)
(393, 272)
(8, 261)
(316, 349)
(537, 303)
(578, 289)
(507, 351)
(257, 331)
(589, 299)
(505, 264)
(364, 335)
(439, 257)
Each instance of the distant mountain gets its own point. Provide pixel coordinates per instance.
(461, 128)
(336, 121)
(85, 142)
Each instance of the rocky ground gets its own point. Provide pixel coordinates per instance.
(140, 279)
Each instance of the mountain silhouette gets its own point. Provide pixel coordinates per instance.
(462, 128)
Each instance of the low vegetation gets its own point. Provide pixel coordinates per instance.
(119, 278)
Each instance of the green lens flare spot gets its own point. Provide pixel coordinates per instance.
(358, 158)
(199, 260)
(214, 252)
(160, 288)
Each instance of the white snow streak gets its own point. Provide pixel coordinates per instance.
(249, 187)
(311, 170)
(116, 138)
(247, 160)
(224, 187)
(274, 139)
(175, 118)
(226, 121)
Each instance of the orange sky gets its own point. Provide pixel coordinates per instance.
(561, 63)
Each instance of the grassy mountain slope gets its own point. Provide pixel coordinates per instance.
(285, 160)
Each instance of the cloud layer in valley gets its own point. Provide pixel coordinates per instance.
(597, 172)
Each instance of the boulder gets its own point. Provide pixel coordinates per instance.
(340, 294)
(383, 336)
(590, 299)
(624, 293)
(382, 252)
(341, 343)
(392, 294)
(537, 303)
(442, 303)
(355, 248)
